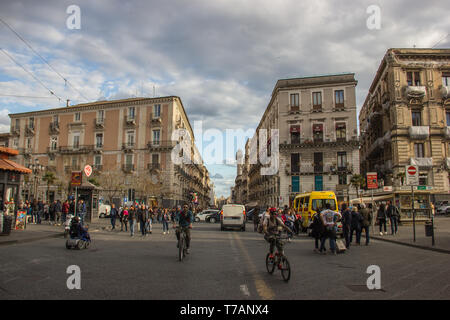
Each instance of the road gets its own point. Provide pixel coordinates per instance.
(222, 265)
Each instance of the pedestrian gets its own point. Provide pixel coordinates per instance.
(52, 211)
(255, 219)
(367, 220)
(65, 211)
(124, 219)
(132, 219)
(142, 217)
(113, 215)
(329, 219)
(356, 222)
(58, 212)
(393, 215)
(40, 206)
(381, 217)
(165, 221)
(35, 212)
(317, 230)
(346, 224)
(72, 208)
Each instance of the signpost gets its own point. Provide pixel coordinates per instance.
(372, 183)
(412, 179)
(88, 170)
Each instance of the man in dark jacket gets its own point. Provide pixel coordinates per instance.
(317, 230)
(346, 224)
(142, 217)
(367, 221)
(393, 215)
(356, 225)
(132, 219)
(113, 215)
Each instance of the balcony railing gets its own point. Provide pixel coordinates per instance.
(317, 108)
(71, 168)
(128, 146)
(15, 130)
(161, 144)
(447, 132)
(128, 168)
(76, 149)
(419, 132)
(97, 167)
(130, 119)
(152, 166)
(422, 162)
(100, 122)
(29, 130)
(415, 91)
(339, 107)
(54, 127)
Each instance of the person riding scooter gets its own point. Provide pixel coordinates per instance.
(77, 231)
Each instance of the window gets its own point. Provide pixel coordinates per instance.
(341, 131)
(416, 118)
(29, 144)
(342, 179)
(447, 116)
(446, 79)
(53, 143)
(129, 160)
(97, 160)
(31, 123)
(342, 160)
(77, 116)
(55, 119)
(155, 160)
(319, 204)
(76, 140)
(295, 162)
(99, 140)
(423, 179)
(156, 111)
(130, 138)
(413, 78)
(131, 112)
(295, 134)
(339, 99)
(318, 162)
(295, 182)
(17, 123)
(101, 114)
(295, 102)
(418, 150)
(318, 132)
(156, 136)
(317, 100)
(16, 143)
(74, 163)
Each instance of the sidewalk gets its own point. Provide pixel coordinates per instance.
(405, 235)
(33, 232)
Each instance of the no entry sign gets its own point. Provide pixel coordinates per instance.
(88, 170)
(412, 175)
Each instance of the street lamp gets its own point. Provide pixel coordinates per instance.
(36, 168)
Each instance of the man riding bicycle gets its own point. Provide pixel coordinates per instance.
(271, 229)
(184, 219)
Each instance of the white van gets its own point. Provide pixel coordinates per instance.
(232, 216)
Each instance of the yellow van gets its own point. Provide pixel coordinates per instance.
(306, 204)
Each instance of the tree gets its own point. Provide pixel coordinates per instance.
(112, 183)
(49, 178)
(358, 182)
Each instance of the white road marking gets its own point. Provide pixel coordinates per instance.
(244, 290)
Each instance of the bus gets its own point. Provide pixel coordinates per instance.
(306, 204)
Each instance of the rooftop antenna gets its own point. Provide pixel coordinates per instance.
(67, 102)
(154, 92)
(440, 40)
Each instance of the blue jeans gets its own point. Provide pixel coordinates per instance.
(358, 235)
(113, 222)
(165, 226)
(394, 225)
(366, 229)
(330, 234)
(132, 224)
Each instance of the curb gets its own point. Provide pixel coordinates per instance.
(412, 245)
(9, 242)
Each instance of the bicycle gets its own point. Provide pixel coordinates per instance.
(279, 260)
(182, 243)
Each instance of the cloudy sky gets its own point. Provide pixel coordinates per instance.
(222, 57)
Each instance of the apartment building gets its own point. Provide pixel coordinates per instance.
(131, 138)
(405, 119)
(318, 140)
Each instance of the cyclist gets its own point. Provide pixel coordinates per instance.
(271, 229)
(184, 219)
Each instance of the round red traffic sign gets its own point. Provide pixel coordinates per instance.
(88, 170)
(412, 171)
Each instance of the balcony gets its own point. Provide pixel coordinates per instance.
(15, 130)
(415, 92)
(447, 132)
(97, 167)
(317, 108)
(153, 166)
(100, 122)
(75, 149)
(52, 150)
(339, 107)
(445, 91)
(29, 130)
(128, 146)
(69, 169)
(128, 168)
(130, 120)
(27, 151)
(155, 119)
(447, 163)
(165, 145)
(98, 148)
(54, 127)
(426, 163)
(419, 132)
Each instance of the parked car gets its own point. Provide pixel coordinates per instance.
(444, 209)
(202, 215)
(104, 210)
(213, 217)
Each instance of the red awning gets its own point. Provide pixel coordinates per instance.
(295, 129)
(9, 165)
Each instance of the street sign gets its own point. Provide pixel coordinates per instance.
(372, 180)
(412, 175)
(387, 188)
(76, 178)
(88, 170)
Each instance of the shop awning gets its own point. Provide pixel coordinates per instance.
(9, 165)
(295, 129)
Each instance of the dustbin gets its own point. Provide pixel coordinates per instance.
(428, 229)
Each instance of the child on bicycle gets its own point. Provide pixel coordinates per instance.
(271, 228)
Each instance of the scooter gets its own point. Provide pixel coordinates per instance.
(78, 243)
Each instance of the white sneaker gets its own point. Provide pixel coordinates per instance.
(168, 232)
(381, 233)
(164, 232)
(385, 233)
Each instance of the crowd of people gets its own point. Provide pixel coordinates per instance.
(324, 225)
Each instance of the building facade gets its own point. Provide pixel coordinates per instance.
(405, 119)
(127, 142)
(318, 140)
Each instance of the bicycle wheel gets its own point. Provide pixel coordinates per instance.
(181, 248)
(270, 264)
(285, 269)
